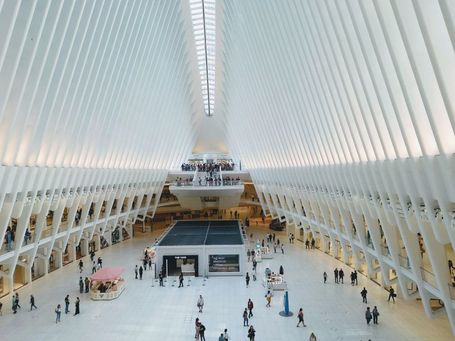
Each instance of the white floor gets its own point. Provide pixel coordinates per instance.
(143, 312)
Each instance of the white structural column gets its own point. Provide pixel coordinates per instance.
(98, 99)
(343, 112)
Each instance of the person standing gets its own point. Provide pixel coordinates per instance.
(335, 272)
(268, 298)
(32, 303)
(248, 253)
(100, 262)
(200, 303)
(76, 306)
(375, 315)
(136, 270)
(281, 270)
(160, 276)
(1, 306)
(58, 312)
(141, 271)
(87, 285)
(81, 266)
(341, 275)
(247, 279)
(300, 317)
(81, 285)
(282, 248)
(67, 304)
(181, 280)
(197, 324)
(364, 295)
(245, 317)
(250, 308)
(312, 337)
(325, 277)
(93, 267)
(221, 338)
(251, 333)
(150, 263)
(391, 295)
(352, 277)
(355, 277)
(368, 315)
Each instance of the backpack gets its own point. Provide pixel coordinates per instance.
(201, 328)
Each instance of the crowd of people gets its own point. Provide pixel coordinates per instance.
(207, 166)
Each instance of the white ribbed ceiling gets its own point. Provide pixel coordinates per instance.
(337, 82)
(96, 83)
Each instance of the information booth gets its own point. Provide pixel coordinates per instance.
(107, 284)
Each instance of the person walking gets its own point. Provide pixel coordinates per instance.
(76, 306)
(202, 332)
(17, 300)
(250, 308)
(364, 295)
(325, 276)
(300, 317)
(268, 298)
(141, 271)
(32, 303)
(352, 277)
(368, 315)
(81, 285)
(58, 312)
(200, 303)
(282, 249)
(67, 304)
(81, 266)
(93, 267)
(226, 335)
(375, 315)
(248, 253)
(100, 262)
(181, 280)
(251, 333)
(136, 270)
(247, 279)
(391, 295)
(355, 277)
(245, 317)
(341, 275)
(335, 272)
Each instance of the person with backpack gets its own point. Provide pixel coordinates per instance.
(300, 317)
(250, 308)
(251, 333)
(368, 315)
(391, 295)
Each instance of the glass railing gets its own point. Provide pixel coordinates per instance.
(404, 261)
(452, 290)
(428, 277)
(204, 183)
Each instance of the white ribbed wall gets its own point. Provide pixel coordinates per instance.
(343, 111)
(98, 99)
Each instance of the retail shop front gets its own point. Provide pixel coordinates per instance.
(202, 248)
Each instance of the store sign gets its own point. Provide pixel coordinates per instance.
(224, 263)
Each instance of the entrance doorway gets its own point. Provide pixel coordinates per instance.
(188, 265)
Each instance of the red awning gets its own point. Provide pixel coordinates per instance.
(107, 274)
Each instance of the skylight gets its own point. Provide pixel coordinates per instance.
(203, 18)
